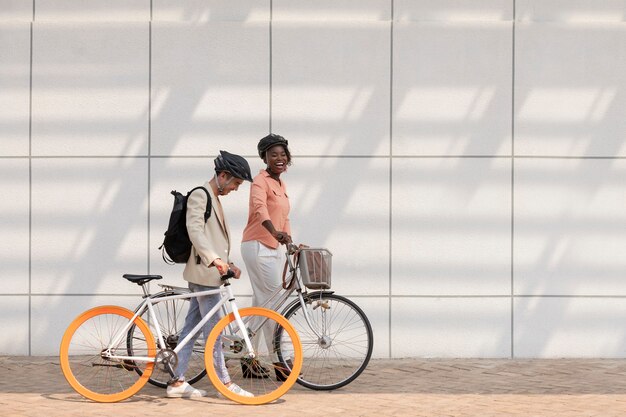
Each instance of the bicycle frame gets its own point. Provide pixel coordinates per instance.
(277, 300)
(273, 304)
(226, 297)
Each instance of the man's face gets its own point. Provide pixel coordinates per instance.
(232, 183)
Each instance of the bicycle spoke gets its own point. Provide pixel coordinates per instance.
(337, 345)
(88, 372)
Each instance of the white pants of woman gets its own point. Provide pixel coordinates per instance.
(265, 267)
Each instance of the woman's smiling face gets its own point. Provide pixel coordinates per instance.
(276, 159)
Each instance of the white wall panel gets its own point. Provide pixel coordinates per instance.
(14, 217)
(453, 10)
(92, 10)
(570, 327)
(570, 10)
(330, 86)
(89, 224)
(569, 234)
(451, 327)
(451, 226)
(327, 10)
(452, 88)
(409, 154)
(16, 10)
(210, 87)
(210, 10)
(377, 311)
(14, 88)
(343, 204)
(90, 89)
(52, 314)
(14, 322)
(570, 94)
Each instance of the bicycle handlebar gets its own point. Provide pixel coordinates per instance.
(291, 248)
(229, 274)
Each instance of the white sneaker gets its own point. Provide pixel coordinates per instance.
(184, 390)
(238, 390)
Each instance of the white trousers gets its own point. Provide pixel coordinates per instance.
(264, 266)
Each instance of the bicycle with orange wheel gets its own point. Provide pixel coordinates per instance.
(335, 333)
(100, 365)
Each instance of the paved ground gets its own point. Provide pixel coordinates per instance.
(406, 387)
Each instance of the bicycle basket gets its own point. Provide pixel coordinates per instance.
(315, 268)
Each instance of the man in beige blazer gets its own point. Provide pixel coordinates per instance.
(209, 260)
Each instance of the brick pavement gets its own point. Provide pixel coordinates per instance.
(34, 386)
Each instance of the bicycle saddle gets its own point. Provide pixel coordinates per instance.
(141, 279)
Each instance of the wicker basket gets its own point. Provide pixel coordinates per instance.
(315, 268)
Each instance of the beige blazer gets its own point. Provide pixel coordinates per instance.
(210, 241)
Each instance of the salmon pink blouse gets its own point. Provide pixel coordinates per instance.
(268, 201)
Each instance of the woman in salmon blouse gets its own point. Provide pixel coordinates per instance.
(268, 225)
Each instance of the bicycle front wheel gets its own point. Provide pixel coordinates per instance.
(266, 375)
(337, 346)
(170, 315)
(87, 355)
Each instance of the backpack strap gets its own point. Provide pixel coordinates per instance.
(207, 211)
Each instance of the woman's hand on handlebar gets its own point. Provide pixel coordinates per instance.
(282, 237)
(292, 248)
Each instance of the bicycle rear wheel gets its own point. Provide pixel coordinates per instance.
(85, 362)
(344, 346)
(265, 376)
(170, 315)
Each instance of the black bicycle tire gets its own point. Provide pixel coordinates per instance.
(295, 306)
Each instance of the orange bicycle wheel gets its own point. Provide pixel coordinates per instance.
(264, 376)
(88, 371)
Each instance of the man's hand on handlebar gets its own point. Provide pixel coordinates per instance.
(224, 267)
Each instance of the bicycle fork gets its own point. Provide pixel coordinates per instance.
(321, 333)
